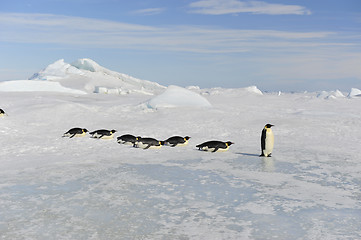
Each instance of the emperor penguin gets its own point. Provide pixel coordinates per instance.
(103, 134)
(214, 146)
(177, 141)
(127, 139)
(2, 113)
(148, 143)
(267, 141)
(76, 132)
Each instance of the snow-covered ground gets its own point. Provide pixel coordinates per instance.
(82, 188)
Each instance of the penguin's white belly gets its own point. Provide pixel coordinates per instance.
(223, 149)
(125, 142)
(96, 135)
(208, 149)
(269, 142)
(144, 145)
(155, 147)
(179, 144)
(75, 135)
(107, 137)
(80, 135)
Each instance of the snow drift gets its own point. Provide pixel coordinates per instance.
(176, 96)
(36, 86)
(330, 94)
(251, 90)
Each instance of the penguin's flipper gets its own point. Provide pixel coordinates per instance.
(173, 145)
(72, 136)
(147, 146)
(216, 149)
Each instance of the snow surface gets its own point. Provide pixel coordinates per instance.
(175, 96)
(82, 188)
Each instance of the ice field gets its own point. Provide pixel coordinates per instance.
(83, 188)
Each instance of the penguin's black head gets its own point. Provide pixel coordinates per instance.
(268, 125)
(113, 131)
(85, 130)
(187, 138)
(229, 143)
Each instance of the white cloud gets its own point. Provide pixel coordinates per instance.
(57, 29)
(219, 7)
(149, 11)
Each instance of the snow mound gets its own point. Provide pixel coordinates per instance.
(251, 90)
(354, 93)
(36, 86)
(330, 94)
(175, 96)
(87, 75)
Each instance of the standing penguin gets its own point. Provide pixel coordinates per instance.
(267, 141)
(75, 132)
(102, 133)
(214, 146)
(177, 141)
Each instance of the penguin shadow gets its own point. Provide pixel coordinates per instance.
(248, 154)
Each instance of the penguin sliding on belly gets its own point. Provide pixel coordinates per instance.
(148, 143)
(127, 139)
(2, 113)
(176, 141)
(102, 133)
(76, 132)
(214, 146)
(267, 141)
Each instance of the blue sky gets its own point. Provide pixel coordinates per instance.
(273, 44)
